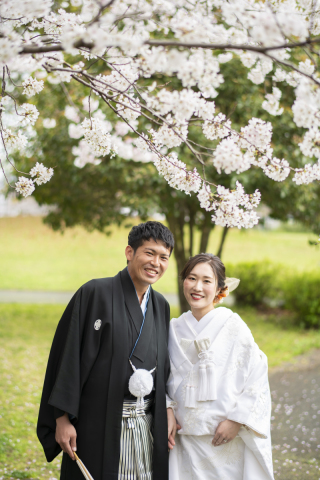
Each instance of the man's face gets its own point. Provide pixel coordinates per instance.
(148, 263)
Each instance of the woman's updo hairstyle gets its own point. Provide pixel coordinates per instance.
(219, 270)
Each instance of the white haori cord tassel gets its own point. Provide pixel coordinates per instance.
(207, 377)
(190, 400)
(140, 383)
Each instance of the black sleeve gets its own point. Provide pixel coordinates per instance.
(167, 316)
(58, 413)
(167, 320)
(50, 411)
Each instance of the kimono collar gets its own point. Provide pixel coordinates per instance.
(135, 312)
(144, 303)
(183, 329)
(198, 326)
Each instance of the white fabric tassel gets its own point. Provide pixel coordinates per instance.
(211, 382)
(187, 399)
(202, 393)
(190, 401)
(192, 398)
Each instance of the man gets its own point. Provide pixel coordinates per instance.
(86, 403)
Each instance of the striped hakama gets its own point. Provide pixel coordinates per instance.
(136, 442)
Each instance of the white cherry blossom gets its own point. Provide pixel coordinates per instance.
(72, 114)
(31, 86)
(97, 137)
(257, 133)
(49, 122)
(170, 135)
(271, 103)
(14, 141)
(218, 127)
(24, 186)
(177, 175)
(30, 114)
(83, 153)
(310, 146)
(42, 174)
(228, 157)
(184, 47)
(75, 131)
(309, 174)
(278, 170)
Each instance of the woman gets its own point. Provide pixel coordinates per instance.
(218, 387)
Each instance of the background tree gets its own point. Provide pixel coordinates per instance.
(114, 49)
(97, 196)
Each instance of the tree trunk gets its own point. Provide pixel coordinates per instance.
(191, 232)
(223, 239)
(206, 229)
(176, 225)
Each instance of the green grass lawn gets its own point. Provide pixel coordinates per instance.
(33, 257)
(26, 333)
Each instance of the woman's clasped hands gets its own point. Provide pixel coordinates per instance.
(226, 431)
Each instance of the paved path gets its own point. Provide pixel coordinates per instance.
(47, 297)
(29, 296)
(296, 418)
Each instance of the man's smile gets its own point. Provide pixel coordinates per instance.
(151, 271)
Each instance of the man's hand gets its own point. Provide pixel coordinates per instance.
(172, 428)
(66, 435)
(226, 431)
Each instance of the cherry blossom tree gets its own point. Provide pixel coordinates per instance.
(96, 194)
(124, 52)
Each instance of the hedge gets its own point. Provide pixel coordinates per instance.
(265, 283)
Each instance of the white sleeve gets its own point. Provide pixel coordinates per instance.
(253, 405)
(170, 403)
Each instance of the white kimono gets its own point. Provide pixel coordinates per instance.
(218, 373)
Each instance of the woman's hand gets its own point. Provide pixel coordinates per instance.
(226, 431)
(172, 428)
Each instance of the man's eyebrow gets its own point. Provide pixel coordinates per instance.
(154, 251)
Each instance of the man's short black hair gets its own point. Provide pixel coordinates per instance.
(154, 230)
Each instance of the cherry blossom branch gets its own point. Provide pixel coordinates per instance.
(292, 67)
(100, 12)
(4, 174)
(93, 79)
(32, 49)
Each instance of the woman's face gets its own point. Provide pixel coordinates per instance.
(200, 287)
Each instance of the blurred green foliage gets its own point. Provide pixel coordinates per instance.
(276, 286)
(258, 281)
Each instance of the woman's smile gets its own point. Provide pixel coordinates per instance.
(196, 296)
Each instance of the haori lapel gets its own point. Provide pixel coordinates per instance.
(117, 378)
(142, 347)
(131, 299)
(160, 457)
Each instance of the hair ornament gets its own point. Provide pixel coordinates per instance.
(230, 285)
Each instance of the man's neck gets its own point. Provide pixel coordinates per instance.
(140, 288)
(141, 293)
